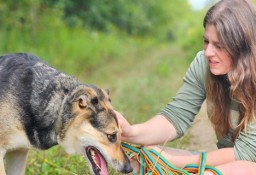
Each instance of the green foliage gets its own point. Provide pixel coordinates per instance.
(191, 35)
(58, 44)
(144, 18)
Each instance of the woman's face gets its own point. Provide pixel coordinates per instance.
(219, 60)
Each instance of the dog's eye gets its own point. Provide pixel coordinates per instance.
(112, 137)
(94, 101)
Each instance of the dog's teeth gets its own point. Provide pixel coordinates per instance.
(94, 158)
(93, 153)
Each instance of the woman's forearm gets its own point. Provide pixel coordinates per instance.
(154, 131)
(213, 158)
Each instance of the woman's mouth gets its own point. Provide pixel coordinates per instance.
(213, 63)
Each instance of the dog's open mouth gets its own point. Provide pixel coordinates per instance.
(99, 164)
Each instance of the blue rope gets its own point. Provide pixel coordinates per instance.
(153, 163)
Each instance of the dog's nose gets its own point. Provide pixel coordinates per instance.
(127, 168)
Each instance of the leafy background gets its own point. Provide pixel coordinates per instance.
(140, 50)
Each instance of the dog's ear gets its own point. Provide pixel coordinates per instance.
(108, 91)
(82, 101)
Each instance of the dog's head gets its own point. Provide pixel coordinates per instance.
(90, 128)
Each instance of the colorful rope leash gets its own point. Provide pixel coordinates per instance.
(152, 163)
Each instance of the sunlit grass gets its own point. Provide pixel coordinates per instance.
(55, 161)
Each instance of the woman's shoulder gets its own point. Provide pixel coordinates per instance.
(200, 61)
(198, 67)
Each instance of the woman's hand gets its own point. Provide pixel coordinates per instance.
(124, 125)
(156, 130)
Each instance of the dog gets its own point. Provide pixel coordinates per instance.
(41, 107)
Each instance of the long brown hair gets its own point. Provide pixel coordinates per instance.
(235, 22)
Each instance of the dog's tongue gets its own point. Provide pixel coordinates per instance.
(102, 164)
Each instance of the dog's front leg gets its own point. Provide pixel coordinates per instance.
(16, 162)
(2, 170)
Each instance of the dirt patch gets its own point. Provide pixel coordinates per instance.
(202, 134)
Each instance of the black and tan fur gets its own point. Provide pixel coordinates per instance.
(41, 107)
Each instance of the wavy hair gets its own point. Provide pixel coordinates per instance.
(235, 22)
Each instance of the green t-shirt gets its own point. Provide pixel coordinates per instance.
(183, 108)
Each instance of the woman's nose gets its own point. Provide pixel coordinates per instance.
(209, 50)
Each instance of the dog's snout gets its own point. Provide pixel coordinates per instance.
(127, 168)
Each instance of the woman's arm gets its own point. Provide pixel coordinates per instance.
(177, 116)
(213, 158)
(238, 167)
(154, 131)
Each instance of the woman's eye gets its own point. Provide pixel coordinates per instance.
(219, 46)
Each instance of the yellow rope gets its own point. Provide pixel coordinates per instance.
(152, 163)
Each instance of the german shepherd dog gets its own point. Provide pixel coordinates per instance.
(41, 107)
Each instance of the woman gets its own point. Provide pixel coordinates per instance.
(224, 74)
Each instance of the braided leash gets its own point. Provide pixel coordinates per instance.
(152, 163)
